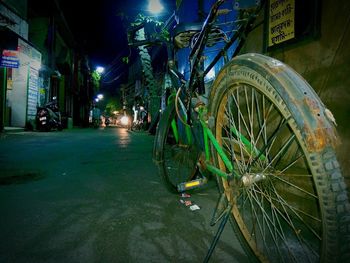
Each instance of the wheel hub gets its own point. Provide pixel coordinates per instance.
(249, 179)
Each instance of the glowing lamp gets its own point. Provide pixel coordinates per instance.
(154, 6)
(100, 70)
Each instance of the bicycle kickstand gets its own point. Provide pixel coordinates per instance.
(218, 214)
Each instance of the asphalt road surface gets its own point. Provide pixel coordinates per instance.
(93, 195)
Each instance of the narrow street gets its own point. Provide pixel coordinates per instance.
(93, 195)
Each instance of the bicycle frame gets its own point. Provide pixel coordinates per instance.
(197, 74)
(208, 136)
(198, 47)
(282, 187)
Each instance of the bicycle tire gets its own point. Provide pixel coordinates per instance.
(176, 160)
(289, 197)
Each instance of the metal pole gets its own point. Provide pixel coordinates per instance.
(218, 233)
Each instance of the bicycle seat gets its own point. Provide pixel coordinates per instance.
(184, 33)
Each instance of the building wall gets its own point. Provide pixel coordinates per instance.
(17, 95)
(19, 6)
(14, 18)
(60, 58)
(325, 63)
(23, 93)
(38, 30)
(21, 86)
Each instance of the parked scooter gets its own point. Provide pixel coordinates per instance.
(49, 117)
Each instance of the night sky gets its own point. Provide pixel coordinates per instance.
(100, 28)
(98, 25)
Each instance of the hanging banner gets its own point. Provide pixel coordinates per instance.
(281, 21)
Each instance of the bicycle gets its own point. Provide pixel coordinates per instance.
(265, 135)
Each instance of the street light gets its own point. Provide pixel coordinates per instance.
(154, 6)
(100, 69)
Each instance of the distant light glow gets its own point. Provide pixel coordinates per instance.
(100, 69)
(124, 120)
(97, 100)
(100, 96)
(154, 6)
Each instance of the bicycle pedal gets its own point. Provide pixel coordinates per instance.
(182, 187)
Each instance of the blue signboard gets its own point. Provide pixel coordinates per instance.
(9, 62)
(9, 59)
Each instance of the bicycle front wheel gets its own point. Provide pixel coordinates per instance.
(288, 195)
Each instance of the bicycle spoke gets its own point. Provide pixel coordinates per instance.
(280, 152)
(281, 201)
(240, 116)
(250, 114)
(263, 130)
(230, 117)
(296, 231)
(232, 122)
(272, 230)
(282, 214)
(292, 163)
(228, 144)
(295, 175)
(255, 102)
(270, 142)
(284, 204)
(294, 186)
(258, 113)
(254, 199)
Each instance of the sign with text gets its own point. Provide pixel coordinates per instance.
(9, 59)
(33, 93)
(281, 23)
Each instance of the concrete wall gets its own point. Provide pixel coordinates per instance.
(22, 94)
(38, 30)
(19, 6)
(13, 21)
(325, 64)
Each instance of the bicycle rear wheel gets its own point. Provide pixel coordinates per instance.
(174, 154)
(289, 198)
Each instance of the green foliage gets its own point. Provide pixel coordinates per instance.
(163, 34)
(125, 60)
(140, 18)
(96, 77)
(112, 105)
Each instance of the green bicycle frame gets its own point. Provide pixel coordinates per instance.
(209, 136)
